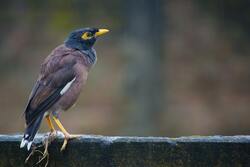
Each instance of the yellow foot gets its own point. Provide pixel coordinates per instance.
(51, 137)
(66, 138)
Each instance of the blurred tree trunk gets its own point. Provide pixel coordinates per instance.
(144, 81)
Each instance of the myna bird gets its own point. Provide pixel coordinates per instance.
(62, 76)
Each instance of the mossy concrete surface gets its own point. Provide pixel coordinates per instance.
(102, 151)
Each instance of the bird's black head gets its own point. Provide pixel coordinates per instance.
(84, 39)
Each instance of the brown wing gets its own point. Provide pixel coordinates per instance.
(55, 73)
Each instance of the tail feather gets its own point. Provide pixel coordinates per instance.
(30, 133)
(33, 120)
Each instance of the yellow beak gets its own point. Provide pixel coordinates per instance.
(101, 32)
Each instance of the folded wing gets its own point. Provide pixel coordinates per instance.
(57, 74)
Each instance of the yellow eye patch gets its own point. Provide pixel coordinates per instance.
(87, 35)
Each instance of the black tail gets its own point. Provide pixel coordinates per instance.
(30, 132)
(34, 118)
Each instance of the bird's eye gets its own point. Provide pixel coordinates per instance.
(87, 35)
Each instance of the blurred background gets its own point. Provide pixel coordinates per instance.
(167, 68)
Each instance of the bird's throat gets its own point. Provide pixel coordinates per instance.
(87, 51)
(90, 55)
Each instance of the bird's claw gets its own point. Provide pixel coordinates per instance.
(66, 138)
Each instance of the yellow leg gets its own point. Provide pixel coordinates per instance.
(59, 124)
(67, 136)
(51, 126)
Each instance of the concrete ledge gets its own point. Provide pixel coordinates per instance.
(102, 151)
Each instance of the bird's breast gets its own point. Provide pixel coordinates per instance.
(71, 95)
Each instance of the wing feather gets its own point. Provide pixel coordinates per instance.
(46, 91)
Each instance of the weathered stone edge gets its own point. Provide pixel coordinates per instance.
(114, 139)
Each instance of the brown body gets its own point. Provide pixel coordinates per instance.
(80, 69)
(59, 68)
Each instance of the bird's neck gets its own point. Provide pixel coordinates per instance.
(88, 52)
(90, 55)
